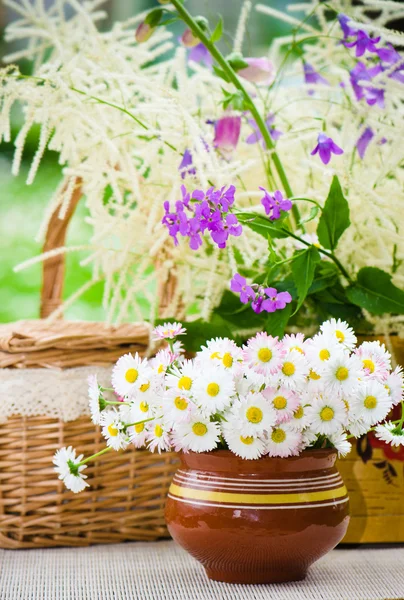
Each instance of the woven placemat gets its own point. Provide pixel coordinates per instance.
(163, 571)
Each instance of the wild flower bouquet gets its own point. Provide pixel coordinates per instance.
(270, 397)
(281, 174)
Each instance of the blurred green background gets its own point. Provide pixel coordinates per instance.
(22, 207)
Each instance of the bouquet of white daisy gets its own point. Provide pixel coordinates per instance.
(269, 397)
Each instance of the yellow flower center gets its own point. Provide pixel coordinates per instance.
(327, 414)
(185, 383)
(199, 429)
(264, 354)
(324, 354)
(288, 369)
(227, 360)
(247, 440)
(212, 389)
(346, 403)
(280, 402)
(369, 364)
(144, 407)
(180, 403)
(215, 355)
(131, 375)
(160, 369)
(387, 388)
(370, 402)
(139, 427)
(144, 387)
(298, 349)
(314, 375)
(342, 373)
(299, 413)
(254, 414)
(340, 335)
(158, 431)
(113, 431)
(278, 436)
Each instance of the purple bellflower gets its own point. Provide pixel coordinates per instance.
(200, 54)
(256, 136)
(274, 205)
(325, 148)
(363, 43)
(360, 74)
(312, 77)
(186, 166)
(364, 141)
(261, 298)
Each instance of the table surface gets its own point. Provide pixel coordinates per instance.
(163, 571)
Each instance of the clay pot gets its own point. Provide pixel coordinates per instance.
(257, 521)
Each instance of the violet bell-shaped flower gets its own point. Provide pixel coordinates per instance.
(325, 148)
(227, 133)
(312, 77)
(372, 95)
(200, 54)
(259, 70)
(363, 43)
(364, 141)
(186, 166)
(276, 204)
(256, 136)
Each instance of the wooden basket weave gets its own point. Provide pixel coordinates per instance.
(128, 490)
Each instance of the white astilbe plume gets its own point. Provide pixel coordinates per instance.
(127, 155)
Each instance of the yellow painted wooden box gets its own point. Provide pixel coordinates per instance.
(374, 475)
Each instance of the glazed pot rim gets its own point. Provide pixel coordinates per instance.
(314, 452)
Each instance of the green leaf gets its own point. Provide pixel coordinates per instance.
(303, 268)
(374, 291)
(220, 73)
(236, 61)
(326, 275)
(239, 316)
(154, 17)
(313, 214)
(334, 218)
(261, 225)
(277, 321)
(217, 32)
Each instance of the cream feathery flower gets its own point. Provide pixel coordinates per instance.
(340, 331)
(284, 441)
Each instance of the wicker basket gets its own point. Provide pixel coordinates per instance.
(128, 490)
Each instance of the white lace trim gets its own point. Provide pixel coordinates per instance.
(55, 393)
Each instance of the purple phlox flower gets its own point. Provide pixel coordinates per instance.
(276, 300)
(275, 204)
(227, 132)
(221, 229)
(257, 304)
(371, 94)
(238, 284)
(346, 29)
(256, 136)
(364, 141)
(259, 70)
(325, 147)
(363, 43)
(312, 77)
(200, 54)
(195, 240)
(186, 166)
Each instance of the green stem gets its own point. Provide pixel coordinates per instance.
(90, 458)
(220, 59)
(117, 403)
(140, 422)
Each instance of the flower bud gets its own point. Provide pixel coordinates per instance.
(188, 39)
(259, 70)
(143, 32)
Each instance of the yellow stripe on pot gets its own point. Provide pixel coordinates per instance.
(184, 492)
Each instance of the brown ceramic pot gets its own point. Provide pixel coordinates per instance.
(257, 521)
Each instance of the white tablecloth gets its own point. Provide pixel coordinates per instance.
(163, 571)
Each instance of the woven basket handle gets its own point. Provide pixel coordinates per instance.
(53, 270)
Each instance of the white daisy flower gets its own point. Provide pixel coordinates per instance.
(376, 361)
(320, 349)
(253, 415)
(213, 390)
(394, 385)
(157, 436)
(341, 375)
(327, 415)
(198, 435)
(128, 373)
(341, 331)
(95, 395)
(183, 378)
(138, 434)
(113, 429)
(177, 407)
(357, 427)
(309, 437)
(371, 403)
(247, 380)
(284, 402)
(284, 441)
(293, 370)
(314, 382)
(300, 418)
(138, 410)
(294, 341)
(223, 352)
(178, 349)
(67, 465)
(168, 331)
(163, 359)
(246, 446)
(263, 353)
(390, 433)
(339, 440)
